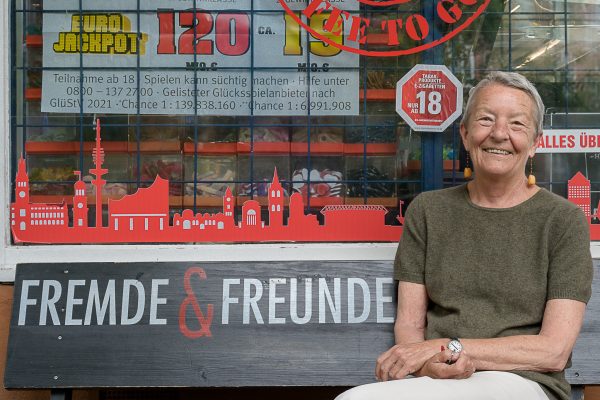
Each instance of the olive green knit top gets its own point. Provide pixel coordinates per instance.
(489, 271)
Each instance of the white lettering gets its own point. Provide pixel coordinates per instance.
(94, 303)
(155, 301)
(335, 306)
(274, 300)
(294, 301)
(381, 299)
(49, 303)
(72, 301)
(127, 285)
(252, 302)
(366, 295)
(227, 299)
(25, 300)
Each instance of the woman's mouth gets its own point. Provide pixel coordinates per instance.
(498, 151)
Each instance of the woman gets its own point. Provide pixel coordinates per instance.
(498, 268)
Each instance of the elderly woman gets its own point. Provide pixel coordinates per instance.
(494, 275)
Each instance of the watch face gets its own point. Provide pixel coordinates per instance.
(455, 346)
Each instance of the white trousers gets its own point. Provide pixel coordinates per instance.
(484, 385)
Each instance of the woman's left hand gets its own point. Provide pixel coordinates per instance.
(404, 359)
(437, 367)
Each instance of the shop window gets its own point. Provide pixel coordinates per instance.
(220, 129)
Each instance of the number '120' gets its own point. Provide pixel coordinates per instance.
(232, 34)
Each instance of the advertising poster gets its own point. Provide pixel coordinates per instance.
(569, 141)
(224, 57)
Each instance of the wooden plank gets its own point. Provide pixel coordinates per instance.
(248, 346)
(586, 368)
(255, 337)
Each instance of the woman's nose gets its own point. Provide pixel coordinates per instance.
(500, 131)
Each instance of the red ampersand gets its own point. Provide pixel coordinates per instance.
(191, 299)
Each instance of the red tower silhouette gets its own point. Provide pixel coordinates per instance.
(275, 202)
(98, 171)
(20, 208)
(80, 207)
(228, 203)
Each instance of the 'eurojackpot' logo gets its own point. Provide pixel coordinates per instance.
(100, 33)
(406, 33)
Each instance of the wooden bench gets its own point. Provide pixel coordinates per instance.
(215, 325)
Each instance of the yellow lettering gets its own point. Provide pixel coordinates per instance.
(71, 42)
(75, 26)
(59, 46)
(107, 42)
(95, 42)
(120, 43)
(102, 23)
(114, 23)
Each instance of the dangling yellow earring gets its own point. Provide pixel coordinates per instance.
(468, 172)
(531, 177)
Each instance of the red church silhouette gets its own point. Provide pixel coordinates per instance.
(143, 217)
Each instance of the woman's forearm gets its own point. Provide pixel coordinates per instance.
(531, 353)
(407, 333)
(547, 351)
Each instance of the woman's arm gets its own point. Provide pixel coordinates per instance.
(410, 313)
(547, 351)
(411, 350)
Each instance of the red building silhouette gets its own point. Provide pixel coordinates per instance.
(147, 209)
(143, 217)
(28, 217)
(579, 194)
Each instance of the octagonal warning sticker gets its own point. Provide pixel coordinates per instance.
(429, 98)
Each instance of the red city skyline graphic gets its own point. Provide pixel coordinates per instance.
(143, 217)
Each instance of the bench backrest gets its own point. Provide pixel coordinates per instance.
(214, 324)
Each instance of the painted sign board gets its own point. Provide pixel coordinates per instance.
(215, 324)
(429, 98)
(209, 324)
(569, 141)
(229, 57)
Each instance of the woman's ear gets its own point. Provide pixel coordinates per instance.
(463, 135)
(533, 147)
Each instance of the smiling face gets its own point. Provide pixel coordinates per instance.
(501, 132)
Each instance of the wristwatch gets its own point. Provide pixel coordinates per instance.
(455, 346)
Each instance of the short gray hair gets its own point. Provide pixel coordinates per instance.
(514, 80)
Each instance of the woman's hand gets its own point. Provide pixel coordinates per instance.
(437, 367)
(405, 359)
